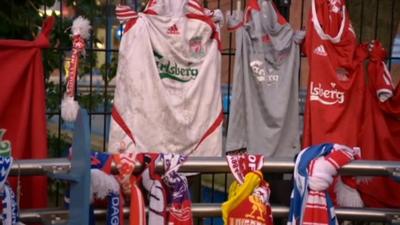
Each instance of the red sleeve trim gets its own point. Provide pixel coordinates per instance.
(218, 121)
(253, 5)
(150, 12)
(120, 121)
(196, 6)
(130, 24)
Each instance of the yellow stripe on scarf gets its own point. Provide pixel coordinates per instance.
(238, 193)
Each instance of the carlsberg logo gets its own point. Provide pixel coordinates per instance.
(326, 96)
(173, 71)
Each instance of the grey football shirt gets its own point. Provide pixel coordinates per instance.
(264, 112)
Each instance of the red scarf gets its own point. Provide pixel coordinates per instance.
(126, 164)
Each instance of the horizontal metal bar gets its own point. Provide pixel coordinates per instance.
(31, 167)
(214, 210)
(276, 165)
(212, 165)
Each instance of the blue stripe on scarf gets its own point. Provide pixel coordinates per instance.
(113, 209)
(299, 188)
(92, 218)
(10, 215)
(15, 210)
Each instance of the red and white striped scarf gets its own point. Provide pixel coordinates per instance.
(315, 170)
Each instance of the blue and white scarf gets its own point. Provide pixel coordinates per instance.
(10, 214)
(315, 206)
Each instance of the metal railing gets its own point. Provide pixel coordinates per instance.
(214, 210)
(216, 165)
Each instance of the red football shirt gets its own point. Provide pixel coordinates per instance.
(336, 83)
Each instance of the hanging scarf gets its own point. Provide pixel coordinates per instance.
(104, 189)
(248, 200)
(5, 166)
(10, 214)
(105, 186)
(152, 182)
(125, 163)
(80, 33)
(241, 164)
(180, 204)
(248, 203)
(314, 170)
(101, 160)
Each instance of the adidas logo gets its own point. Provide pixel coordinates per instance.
(173, 30)
(320, 50)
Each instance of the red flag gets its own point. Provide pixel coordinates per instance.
(22, 108)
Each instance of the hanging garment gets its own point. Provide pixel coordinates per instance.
(23, 110)
(264, 113)
(382, 111)
(380, 133)
(167, 95)
(314, 172)
(337, 92)
(336, 82)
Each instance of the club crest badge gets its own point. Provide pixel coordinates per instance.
(196, 48)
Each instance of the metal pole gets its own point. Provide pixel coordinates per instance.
(214, 210)
(213, 165)
(31, 167)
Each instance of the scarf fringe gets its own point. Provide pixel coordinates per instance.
(347, 196)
